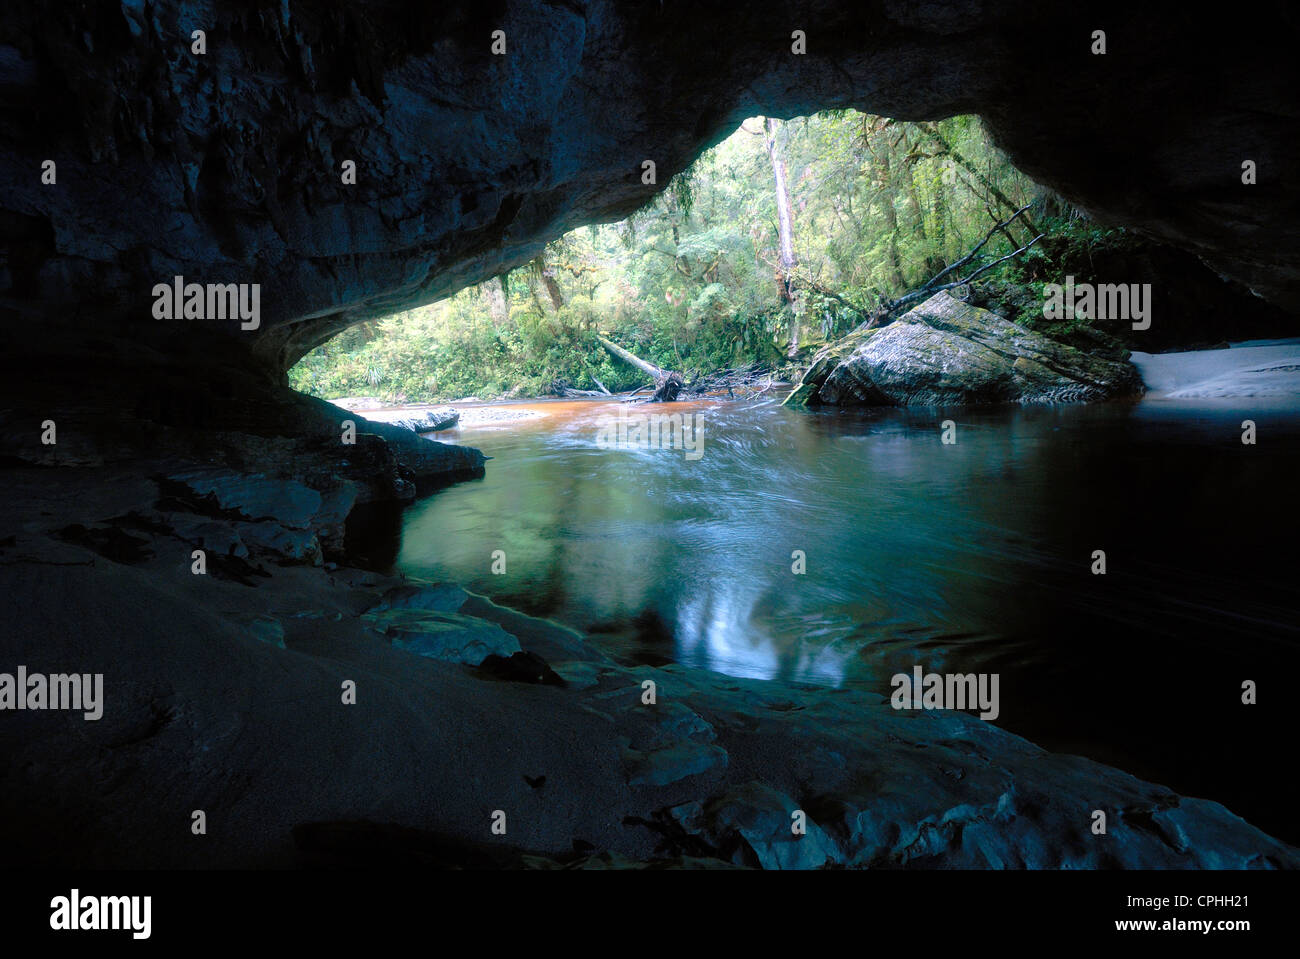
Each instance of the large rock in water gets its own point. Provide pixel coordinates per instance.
(948, 353)
(429, 421)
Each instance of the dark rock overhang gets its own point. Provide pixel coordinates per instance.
(226, 167)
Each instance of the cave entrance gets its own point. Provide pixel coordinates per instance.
(780, 238)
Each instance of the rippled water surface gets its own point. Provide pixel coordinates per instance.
(974, 556)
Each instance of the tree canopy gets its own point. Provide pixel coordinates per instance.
(698, 278)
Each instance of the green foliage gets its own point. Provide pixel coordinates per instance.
(690, 282)
(1073, 244)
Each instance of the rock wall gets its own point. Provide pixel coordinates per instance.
(227, 166)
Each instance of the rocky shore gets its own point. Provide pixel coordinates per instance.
(228, 692)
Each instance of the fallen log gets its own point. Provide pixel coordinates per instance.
(668, 384)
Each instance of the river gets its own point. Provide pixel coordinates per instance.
(970, 556)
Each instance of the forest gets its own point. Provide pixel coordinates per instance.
(781, 238)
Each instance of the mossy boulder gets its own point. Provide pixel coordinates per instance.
(949, 353)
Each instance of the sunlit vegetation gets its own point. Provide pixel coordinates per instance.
(700, 279)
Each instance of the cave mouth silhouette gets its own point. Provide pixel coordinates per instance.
(467, 162)
(228, 167)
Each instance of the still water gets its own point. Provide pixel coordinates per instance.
(974, 556)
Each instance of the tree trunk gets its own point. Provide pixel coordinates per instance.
(784, 227)
(886, 194)
(667, 383)
(496, 299)
(552, 288)
(936, 261)
(913, 201)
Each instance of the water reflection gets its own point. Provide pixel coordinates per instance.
(970, 557)
(910, 544)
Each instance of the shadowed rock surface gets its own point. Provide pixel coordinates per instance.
(947, 353)
(227, 167)
(223, 690)
(226, 695)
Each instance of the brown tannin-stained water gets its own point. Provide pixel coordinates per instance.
(969, 557)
